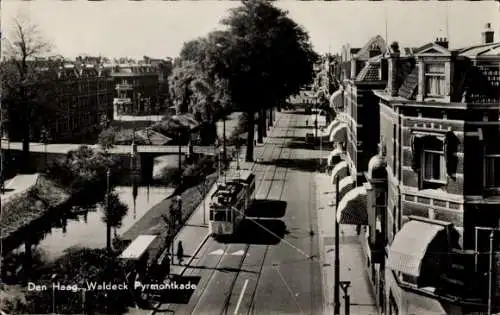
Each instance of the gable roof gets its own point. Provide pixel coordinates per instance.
(432, 48)
(364, 52)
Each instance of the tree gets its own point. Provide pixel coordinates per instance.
(107, 138)
(265, 56)
(113, 213)
(23, 44)
(196, 88)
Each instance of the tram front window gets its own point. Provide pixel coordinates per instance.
(220, 215)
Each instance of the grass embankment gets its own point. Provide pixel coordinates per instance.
(22, 210)
(152, 222)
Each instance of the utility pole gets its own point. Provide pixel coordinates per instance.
(336, 288)
(204, 200)
(2, 187)
(224, 138)
(491, 273)
(108, 226)
(491, 264)
(347, 299)
(180, 156)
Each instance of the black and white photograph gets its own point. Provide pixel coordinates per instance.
(250, 157)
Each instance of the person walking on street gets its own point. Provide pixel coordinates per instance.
(307, 123)
(180, 253)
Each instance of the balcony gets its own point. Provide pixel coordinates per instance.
(124, 87)
(122, 101)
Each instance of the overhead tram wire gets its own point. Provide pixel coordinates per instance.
(261, 264)
(226, 246)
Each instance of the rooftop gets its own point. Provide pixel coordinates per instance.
(471, 83)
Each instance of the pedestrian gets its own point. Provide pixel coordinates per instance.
(180, 253)
(307, 123)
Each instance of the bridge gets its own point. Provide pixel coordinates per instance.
(63, 148)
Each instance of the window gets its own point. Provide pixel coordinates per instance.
(435, 80)
(492, 171)
(434, 166)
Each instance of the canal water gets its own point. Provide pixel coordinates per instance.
(89, 230)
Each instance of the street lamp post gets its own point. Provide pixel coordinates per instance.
(180, 155)
(491, 263)
(491, 282)
(347, 299)
(2, 187)
(107, 205)
(336, 287)
(224, 138)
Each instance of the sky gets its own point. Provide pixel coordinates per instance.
(116, 28)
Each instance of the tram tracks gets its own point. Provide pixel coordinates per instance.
(229, 293)
(218, 266)
(219, 262)
(251, 308)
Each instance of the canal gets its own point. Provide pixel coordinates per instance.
(87, 229)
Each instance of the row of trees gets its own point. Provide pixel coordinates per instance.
(259, 60)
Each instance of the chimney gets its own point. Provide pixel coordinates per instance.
(488, 34)
(392, 69)
(442, 41)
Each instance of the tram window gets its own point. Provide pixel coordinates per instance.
(220, 216)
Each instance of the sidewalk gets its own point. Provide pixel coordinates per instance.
(18, 185)
(351, 263)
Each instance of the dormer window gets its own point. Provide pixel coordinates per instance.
(435, 80)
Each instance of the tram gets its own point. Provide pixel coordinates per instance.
(229, 202)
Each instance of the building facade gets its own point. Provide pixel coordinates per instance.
(430, 198)
(136, 89)
(76, 107)
(356, 128)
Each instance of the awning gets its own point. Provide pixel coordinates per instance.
(340, 170)
(346, 184)
(352, 208)
(410, 246)
(334, 157)
(330, 127)
(336, 100)
(339, 133)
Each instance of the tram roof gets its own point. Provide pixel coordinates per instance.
(138, 247)
(241, 175)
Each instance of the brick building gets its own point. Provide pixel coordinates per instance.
(136, 90)
(78, 101)
(434, 180)
(356, 127)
